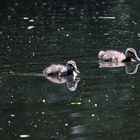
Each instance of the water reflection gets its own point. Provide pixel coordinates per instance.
(70, 82)
(130, 68)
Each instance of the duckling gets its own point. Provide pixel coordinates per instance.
(61, 70)
(115, 56)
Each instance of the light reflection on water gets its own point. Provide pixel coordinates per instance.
(104, 104)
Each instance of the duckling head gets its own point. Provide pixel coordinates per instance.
(131, 53)
(71, 65)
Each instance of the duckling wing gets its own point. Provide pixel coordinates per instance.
(54, 70)
(111, 55)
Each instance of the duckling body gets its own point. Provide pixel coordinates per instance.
(116, 56)
(61, 70)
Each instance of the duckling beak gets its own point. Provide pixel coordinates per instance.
(76, 70)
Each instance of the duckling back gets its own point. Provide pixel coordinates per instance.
(55, 69)
(111, 55)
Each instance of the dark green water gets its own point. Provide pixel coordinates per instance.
(34, 34)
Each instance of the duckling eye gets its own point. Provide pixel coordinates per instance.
(131, 54)
(72, 67)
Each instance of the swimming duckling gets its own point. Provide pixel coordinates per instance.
(115, 56)
(61, 70)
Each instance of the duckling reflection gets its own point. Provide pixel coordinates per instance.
(117, 57)
(104, 64)
(130, 68)
(70, 82)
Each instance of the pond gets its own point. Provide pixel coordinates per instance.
(102, 103)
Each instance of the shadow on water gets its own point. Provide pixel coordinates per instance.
(34, 34)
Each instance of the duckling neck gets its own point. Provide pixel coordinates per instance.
(127, 59)
(69, 72)
(138, 59)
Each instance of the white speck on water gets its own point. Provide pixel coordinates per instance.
(31, 20)
(101, 17)
(132, 86)
(33, 54)
(57, 133)
(95, 105)
(58, 29)
(134, 22)
(24, 136)
(44, 3)
(9, 122)
(89, 101)
(89, 34)
(66, 124)
(106, 33)
(12, 115)
(71, 8)
(25, 18)
(133, 99)
(67, 35)
(30, 27)
(93, 115)
(43, 100)
(106, 96)
(62, 28)
(43, 113)
(78, 103)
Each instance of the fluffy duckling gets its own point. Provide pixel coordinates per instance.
(61, 70)
(115, 56)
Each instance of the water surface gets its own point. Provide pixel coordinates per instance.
(35, 34)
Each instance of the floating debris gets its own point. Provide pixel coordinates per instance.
(78, 103)
(93, 115)
(24, 136)
(106, 17)
(67, 35)
(31, 20)
(30, 27)
(95, 105)
(43, 100)
(106, 34)
(66, 124)
(25, 18)
(33, 54)
(12, 115)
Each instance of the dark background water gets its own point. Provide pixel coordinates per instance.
(37, 33)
